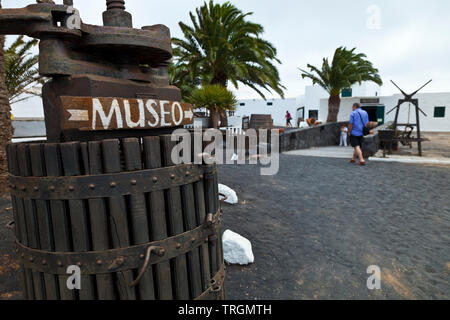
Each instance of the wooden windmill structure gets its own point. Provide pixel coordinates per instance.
(406, 138)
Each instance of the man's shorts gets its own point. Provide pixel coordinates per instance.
(356, 141)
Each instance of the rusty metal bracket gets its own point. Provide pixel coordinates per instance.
(105, 185)
(224, 198)
(121, 259)
(216, 288)
(159, 251)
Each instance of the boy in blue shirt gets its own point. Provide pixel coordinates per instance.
(358, 120)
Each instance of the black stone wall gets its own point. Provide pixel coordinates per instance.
(325, 135)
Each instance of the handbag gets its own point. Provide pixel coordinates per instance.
(366, 131)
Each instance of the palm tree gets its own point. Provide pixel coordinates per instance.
(346, 69)
(222, 47)
(22, 76)
(179, 77)
(215, 98)
(6, 131)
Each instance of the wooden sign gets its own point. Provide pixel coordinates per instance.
(87, 113)
(370, 100)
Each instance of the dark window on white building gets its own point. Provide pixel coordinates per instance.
(231, 113)
(439, 112)
(270, 103)
(242, 104)
(314, 114)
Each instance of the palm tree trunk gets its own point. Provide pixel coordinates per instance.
(214, 118)
(6, 131)
(219, 115)
(218, 79)
(334, 103)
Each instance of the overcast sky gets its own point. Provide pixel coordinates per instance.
(409, 43)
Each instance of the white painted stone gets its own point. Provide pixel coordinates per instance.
(237, 249)
(230, 193)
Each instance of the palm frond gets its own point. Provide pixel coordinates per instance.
(222, 46)
(21, 70)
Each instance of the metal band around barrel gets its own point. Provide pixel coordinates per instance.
(106, 185)
(121, 259)
(215, 291)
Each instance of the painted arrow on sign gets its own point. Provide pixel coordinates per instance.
(189, 114)
(85, 113)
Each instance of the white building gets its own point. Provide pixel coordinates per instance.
(303, 107)
(435, 105)
(275, 107)
(315, 104)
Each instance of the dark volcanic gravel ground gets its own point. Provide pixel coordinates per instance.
(315, 232)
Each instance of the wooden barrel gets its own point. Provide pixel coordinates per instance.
(136, 225)
(261, 121)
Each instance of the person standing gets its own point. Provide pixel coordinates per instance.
(344, 136)
(288, 119)
(358, 120)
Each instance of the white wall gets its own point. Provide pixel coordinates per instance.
(427, 102)
(259, 106)
(314, 94)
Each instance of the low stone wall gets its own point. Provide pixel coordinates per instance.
(325, 135)
(321, 136)
(371, 143)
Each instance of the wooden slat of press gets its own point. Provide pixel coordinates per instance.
(219, 235)
(190, 223)
(19, 218)
(23, 157)
(44, 221)
(85, 157)
(99, 222)
(219, 258)
(211, 208)
(138, 210)
(176, 225)
(158, 225)
(59, 216)
(200, 210)
(71, 161)
(118, 217)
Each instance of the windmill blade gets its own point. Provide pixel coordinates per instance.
(398, 106)
(422, 87)
(423, 112)
(403, 92)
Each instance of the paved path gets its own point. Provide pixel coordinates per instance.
(347, 153)
(314, 233)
